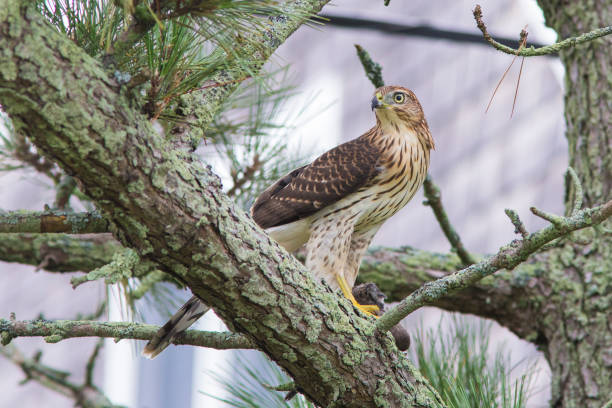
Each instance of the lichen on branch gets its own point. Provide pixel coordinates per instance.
(54, 331)
(508, 257)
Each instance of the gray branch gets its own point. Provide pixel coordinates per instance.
(58, 330)
(508, 257)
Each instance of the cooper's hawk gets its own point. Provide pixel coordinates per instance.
(336, 204)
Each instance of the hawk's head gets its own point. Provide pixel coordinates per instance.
(398, 108)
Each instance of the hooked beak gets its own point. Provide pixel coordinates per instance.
(375, 103)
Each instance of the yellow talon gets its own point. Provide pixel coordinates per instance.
(344, 287)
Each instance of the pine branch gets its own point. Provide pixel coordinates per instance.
(531, 51)
(53, 222)
(58, 330)
(508, 257)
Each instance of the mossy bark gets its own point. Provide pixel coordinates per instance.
(172, 211)
(576, 322)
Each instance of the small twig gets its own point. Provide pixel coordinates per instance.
(552, 218)
(91, 363)
(508, 257)
(95, 315)
(121, 266)
(531, 51)
(578, 192)
(247, 175)
(84, 396)
(64, 191)
(142, 22)
(434, 200)
(290, 387)
(519, 227)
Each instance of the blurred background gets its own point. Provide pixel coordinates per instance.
(483, 163)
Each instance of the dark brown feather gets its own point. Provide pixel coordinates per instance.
(334, 175)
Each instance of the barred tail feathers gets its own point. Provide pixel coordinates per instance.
(178, 323)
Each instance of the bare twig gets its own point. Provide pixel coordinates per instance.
(578, 192)
(532, 52)
(64, 188)
(58, 330)
(86, 395)
(519, 227)
(507, 257)
(247, 175)
(91, 362)
(552, 218)
(434, 200)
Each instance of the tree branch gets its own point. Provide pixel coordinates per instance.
(86, 395)
(504, 297)
(534, 52)
(508, 257)
(58, 330)
(173, 212)
(53, 221)
(59, 252)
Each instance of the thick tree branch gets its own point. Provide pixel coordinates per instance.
(534, 52)
(59, 252)
(58, 330)
(53, 221)
(508, 257)
(173, 211)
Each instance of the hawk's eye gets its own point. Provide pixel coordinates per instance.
(399, 97)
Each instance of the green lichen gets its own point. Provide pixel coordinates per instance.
(54, 338)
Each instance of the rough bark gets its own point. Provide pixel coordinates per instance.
(576, 291)
(65, 103)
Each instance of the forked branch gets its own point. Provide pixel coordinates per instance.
(531, 51)
(508, 257)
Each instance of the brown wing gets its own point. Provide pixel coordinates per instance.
(304, 191)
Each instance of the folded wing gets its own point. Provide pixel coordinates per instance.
(333, 176)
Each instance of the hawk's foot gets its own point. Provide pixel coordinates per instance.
(346, 291)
